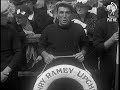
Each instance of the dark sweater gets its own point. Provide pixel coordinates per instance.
(10, 48)
(66, 40)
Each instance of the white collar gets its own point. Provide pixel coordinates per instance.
(31, 16)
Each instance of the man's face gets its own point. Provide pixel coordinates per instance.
(82, 10)
(64, 16)
(21, 20)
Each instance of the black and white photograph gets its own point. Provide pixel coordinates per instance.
(59, 45)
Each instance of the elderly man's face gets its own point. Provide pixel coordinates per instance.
(64, 16)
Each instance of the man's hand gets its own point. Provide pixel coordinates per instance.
(38, 58)
(5, 73)
(3, 77)
(48, 57)
(79, 56)
(115, 37)
(29, 35)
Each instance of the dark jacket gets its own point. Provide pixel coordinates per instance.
(101, 13)
(103, 31)
(10, 48)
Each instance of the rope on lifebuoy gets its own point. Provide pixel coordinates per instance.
(62, 57)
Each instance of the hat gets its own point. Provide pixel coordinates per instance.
(64, 4)
(23, 11)
(80, 4)
(4, 6)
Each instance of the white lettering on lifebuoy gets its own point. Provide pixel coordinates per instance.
(58, 71)
(41, 84)
(80, 74)
(88, 81)
(65, 71)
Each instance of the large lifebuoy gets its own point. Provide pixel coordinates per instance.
(65, 71)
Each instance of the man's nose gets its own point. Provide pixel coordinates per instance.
(64, 15)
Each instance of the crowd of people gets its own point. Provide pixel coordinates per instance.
(35, 32)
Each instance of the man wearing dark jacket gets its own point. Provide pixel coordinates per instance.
(10, 51)
(105, 40)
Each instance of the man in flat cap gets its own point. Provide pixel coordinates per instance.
(63, 38)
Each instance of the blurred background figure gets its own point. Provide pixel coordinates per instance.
(106, 37)
(39, 13)
(50, 4)
(88, 21)
(10, 51)
(101, 11)
(27, 29)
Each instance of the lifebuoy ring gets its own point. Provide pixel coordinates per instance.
(65, 71)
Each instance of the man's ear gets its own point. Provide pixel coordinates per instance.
(56, 16)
